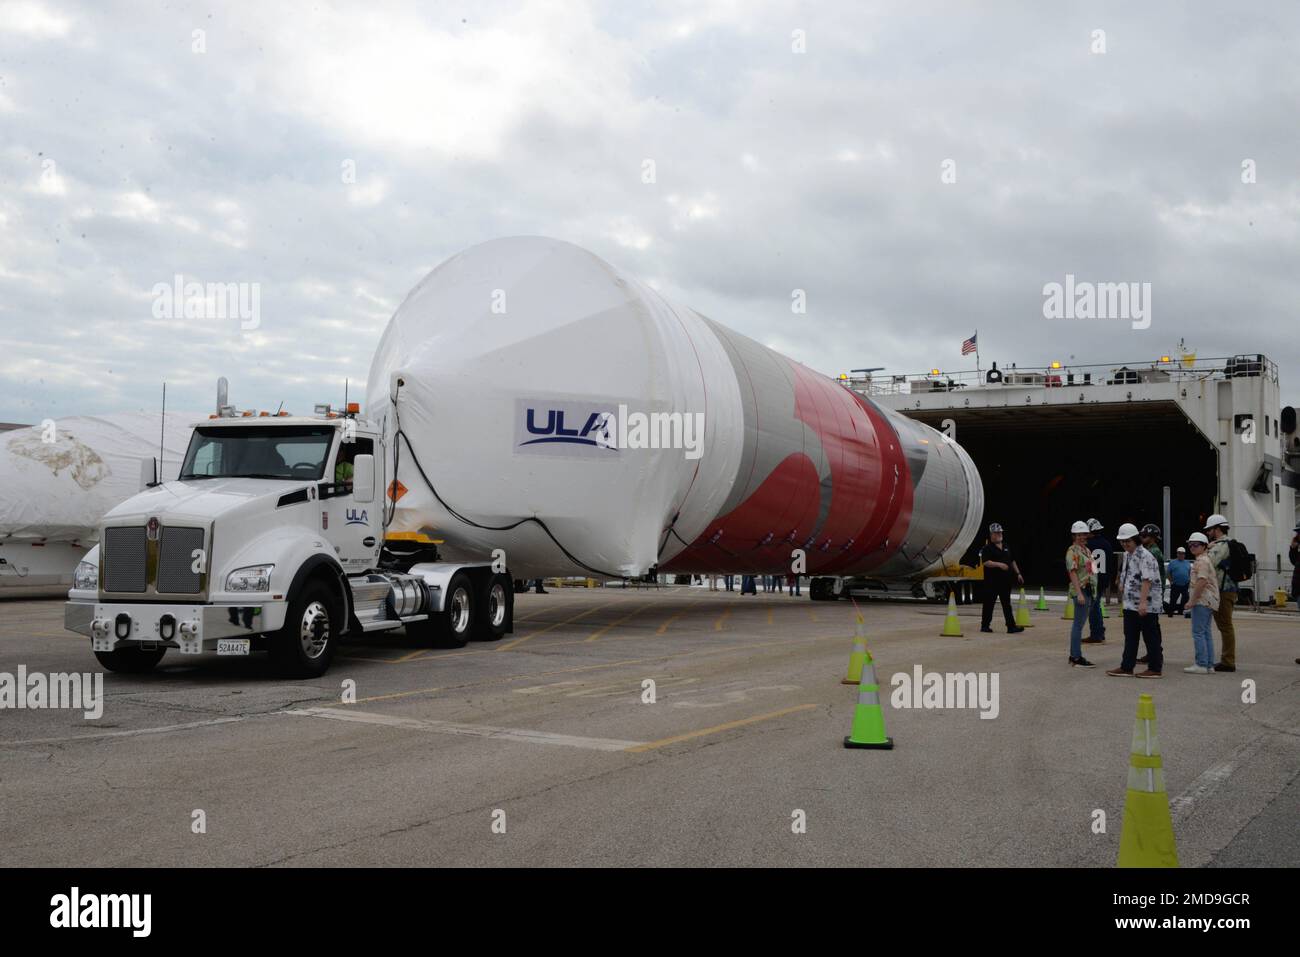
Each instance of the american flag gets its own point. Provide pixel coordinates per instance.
(968, 346)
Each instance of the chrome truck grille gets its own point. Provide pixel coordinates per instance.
(132, 564)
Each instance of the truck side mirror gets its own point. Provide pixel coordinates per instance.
(363, 479)
(148, 473)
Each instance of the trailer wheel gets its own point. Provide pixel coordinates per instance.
(130, 661)
(454, 625)
(304, 647)
(495, 608)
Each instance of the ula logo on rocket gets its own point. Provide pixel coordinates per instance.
(572, 428)
(552, 428)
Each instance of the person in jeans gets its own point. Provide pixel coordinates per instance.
(1216, 527)
(1180, 575)
(1083, 588)
(1098, 542)
(1204, 602)
(1142, 594)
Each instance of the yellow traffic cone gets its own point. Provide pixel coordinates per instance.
(1147, 836)
(868, 729)
(1068, 614)
(951, 626)
(859, 655)
(1022, 612)
(1042, 599)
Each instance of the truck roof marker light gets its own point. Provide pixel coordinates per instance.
(1165, 359)
(248, 414)
(934, 372)
(213, 415)
(1055, 364)
(281, 414)
(354, 408)
(263, 415)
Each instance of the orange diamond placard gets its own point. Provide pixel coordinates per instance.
(396, 490)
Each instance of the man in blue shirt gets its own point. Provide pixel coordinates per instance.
(1180, 576)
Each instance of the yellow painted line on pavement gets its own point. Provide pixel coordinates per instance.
(722, 650)
(551, 627)
(617, 621)
(717, 625)
(690, 735)
(769, 616)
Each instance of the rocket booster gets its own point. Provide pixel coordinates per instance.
(558, 409)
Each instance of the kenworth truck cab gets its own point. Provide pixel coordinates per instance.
(273, 538)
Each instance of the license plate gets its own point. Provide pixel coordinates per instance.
(234, 646)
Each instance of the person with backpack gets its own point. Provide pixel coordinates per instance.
(1231, 563)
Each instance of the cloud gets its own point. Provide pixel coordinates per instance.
(334, 154)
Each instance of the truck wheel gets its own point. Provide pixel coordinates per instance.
(453, 626)
(130, 661)
(304, 647)
(494, 608)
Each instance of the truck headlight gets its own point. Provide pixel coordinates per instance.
(252, 578)
(86, 577)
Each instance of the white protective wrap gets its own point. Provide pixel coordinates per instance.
(522, 324)
(58, 479)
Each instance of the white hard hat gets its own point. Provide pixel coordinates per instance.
(1094, 525)
(1197, 537)
(1215, 520)
(1079, 528)
(1126, 531)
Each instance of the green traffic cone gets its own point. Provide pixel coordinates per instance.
(868, 729)
(858, 657)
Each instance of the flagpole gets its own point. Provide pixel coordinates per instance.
(977, 355)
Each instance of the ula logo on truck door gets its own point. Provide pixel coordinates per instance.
(357, 516)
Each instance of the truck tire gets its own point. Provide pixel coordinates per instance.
(305, 646)
(130, 661)
(454, 625)
(495, 608)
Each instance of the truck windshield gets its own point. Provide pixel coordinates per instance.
(274, 452)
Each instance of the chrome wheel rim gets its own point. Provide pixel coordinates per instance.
(458, 613)
(314, 630)
(497, 605)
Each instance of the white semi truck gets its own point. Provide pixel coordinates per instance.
(273, 537)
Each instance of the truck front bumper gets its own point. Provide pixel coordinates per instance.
(191, 629)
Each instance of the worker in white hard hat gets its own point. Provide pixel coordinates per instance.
(999, 567)
(1102, 555)
(1204, 601)
(1142, 594)
(1216, 529)
(1081, 569)
(1180, 577)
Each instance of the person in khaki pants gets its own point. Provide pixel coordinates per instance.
(1216, 527)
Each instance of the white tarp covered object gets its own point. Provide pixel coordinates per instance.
(556, 408)
(58, 478)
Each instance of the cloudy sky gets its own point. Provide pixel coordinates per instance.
(920, 170)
